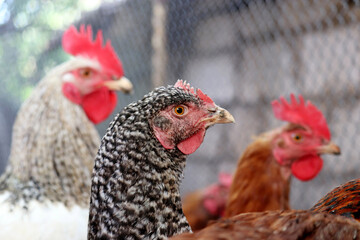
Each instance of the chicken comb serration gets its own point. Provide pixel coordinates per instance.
(81, 44)
(186, 86)
(301, 113)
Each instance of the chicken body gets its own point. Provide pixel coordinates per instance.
(139, 166)
(259, 183)
(52, 153)
(45, 189)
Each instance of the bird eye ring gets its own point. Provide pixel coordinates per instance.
(85, 72)
(179, 110)
(297, 137)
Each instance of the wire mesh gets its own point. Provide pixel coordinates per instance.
(242, 53)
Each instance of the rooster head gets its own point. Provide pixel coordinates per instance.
(95, 74)
(300, 143)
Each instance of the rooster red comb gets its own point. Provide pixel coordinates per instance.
(81, 44)
(301, 113)
(186, 86)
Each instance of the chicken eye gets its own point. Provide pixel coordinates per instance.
(179, 110)
(85, 72)
(297, 137)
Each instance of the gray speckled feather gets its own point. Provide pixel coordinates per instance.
(53, 147)
(135, 183)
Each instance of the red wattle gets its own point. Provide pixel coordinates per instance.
(189, 145)
(307, 168)
(99, 104)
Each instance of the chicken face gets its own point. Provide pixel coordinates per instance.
(184, 125)
(216, 195)
(90, 81)
(296, 141)
(298, 148)
(300, 144)
(94, 91)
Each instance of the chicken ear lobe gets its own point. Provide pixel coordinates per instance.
(71, 92)
(189, 145)
(307, 168)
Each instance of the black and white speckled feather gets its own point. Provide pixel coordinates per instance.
(135, 183)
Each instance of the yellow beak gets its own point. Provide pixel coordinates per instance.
(219, 115)
(123, 84)
(330, 148)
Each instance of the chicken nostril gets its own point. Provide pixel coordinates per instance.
(222, 114)
(337, 153)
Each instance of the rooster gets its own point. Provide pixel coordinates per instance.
(139, 166)
(45, 190)
(262, 178)
(202, 206)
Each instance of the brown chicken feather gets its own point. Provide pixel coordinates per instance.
(279, 225)
(343, 200)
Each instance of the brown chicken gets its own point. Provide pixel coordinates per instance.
(207, 204)
(279, 225)
(262, 178)
(343, 200)
(321, 222)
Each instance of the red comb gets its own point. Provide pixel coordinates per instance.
(81, 44)
(186, 86)
(301, 113)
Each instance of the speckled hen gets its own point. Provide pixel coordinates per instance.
(45, 190)
(139, 166)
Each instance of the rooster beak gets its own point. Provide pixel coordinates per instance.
(330, 148)
(123, 84)
(218, 115)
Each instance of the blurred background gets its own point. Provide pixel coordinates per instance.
(242, 53)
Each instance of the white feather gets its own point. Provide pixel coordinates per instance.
(42, 221)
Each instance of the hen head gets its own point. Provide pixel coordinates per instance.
(183, 125)
(95, 74)
(216, 195)
(307, 136)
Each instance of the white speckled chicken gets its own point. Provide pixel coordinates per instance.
(45, 190)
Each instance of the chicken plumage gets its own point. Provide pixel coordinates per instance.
(343, 200)
(335, 216)
(279, 225)
(45, 190)
(139, 166)
(262, 178)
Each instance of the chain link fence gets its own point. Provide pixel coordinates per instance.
(243, 54)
